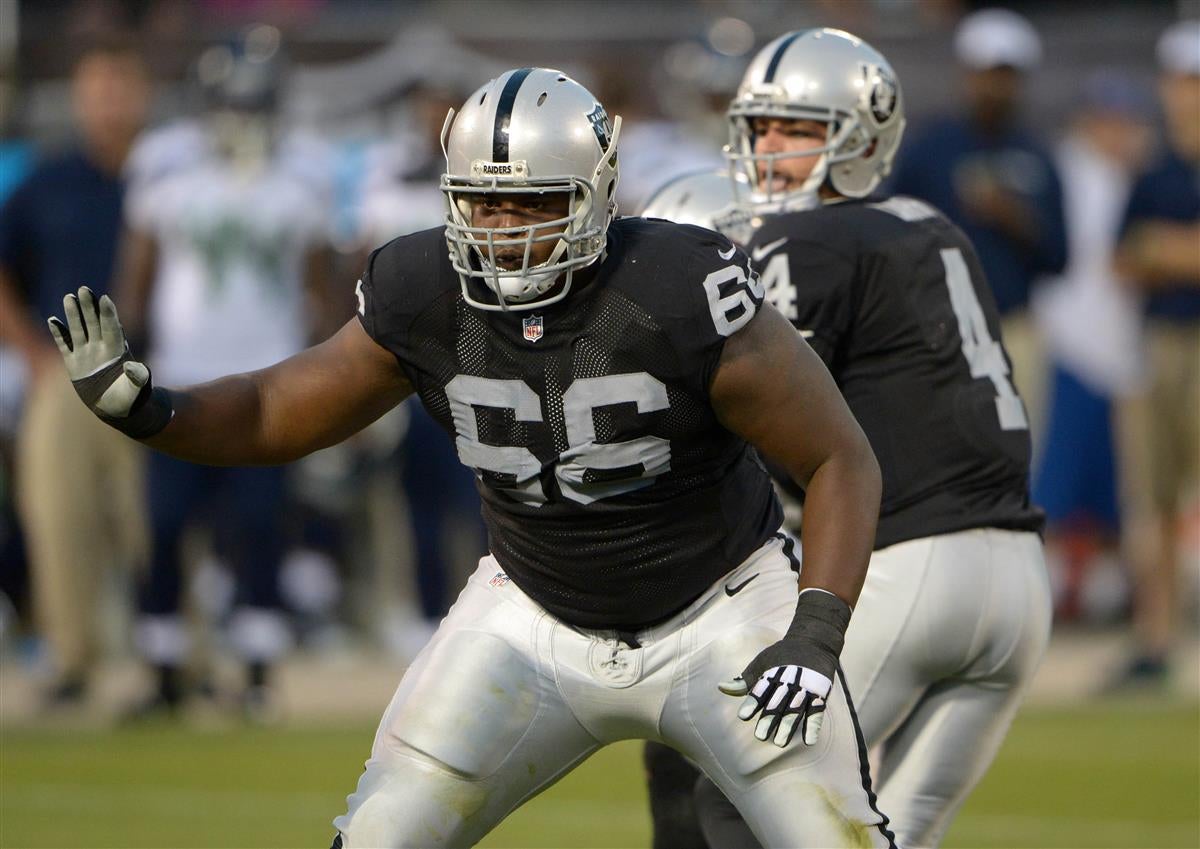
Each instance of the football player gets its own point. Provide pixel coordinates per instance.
(227, 221)
(606, 380)
(955, 612)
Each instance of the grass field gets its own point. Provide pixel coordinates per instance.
(1118, 776)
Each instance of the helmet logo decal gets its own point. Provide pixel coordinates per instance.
(883, 93)
(601, 125)
(532, 328)
(504, 109)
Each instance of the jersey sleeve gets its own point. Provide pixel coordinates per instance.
(809, 278)
(1140, 205)
(725, 296)
(14, 216)
(398, 283)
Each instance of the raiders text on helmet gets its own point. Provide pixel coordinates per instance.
(821, 75)
(530, 130)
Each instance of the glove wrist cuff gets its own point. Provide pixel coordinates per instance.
(821, 618)
(151, 412)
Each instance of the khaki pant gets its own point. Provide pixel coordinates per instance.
(79, 493)
(1027, 353)
(1159, 428)
(1159, 462)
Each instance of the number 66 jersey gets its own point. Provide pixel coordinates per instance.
(612, 495)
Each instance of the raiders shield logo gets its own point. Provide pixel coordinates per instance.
(603, 129)
(883, 97)
(532, 328)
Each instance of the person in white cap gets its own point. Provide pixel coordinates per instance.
(994, 180)
(1160, 427)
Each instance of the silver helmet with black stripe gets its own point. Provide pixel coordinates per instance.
(824, 75)
(530, 130)
(705, 199)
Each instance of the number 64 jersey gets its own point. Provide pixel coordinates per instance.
(612, 495)
(893, 299)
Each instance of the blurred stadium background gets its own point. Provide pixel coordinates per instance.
(380, 533)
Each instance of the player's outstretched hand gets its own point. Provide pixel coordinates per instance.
(114, 386)
(793, 677)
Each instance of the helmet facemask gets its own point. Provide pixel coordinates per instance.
(579, 236)
(844, 141)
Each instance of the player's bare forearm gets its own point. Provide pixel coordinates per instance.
(774, 391)
(841, 508)
(1160, 252)
(17, 329)
(310, 401)
(137, 267)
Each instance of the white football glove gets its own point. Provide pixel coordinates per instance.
(115, 386)
(793, 677)
(788, 696)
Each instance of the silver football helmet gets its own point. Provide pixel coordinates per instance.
(530, 130)
(824, 75)
(706, 199)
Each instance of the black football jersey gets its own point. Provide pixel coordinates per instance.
(612, 495)
(892, 297)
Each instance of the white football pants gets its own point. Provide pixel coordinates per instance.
(945, 638)
(506, 699)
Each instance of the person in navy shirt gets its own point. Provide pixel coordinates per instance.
(995, 181)
(1159, 255)
(59, 230)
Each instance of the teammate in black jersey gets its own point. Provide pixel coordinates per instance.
(954, 616)
(605, 379)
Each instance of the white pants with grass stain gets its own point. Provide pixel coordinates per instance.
(506, 699)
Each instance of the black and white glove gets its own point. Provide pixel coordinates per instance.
(793, 677)
(114, 385)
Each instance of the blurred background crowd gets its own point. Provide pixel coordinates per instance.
(223, 167)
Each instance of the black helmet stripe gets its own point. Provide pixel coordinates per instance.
(504, 114)
(769, 77)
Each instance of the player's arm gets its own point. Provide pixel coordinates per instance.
(137, 268)
(19, 330)
(772, 389)
(1157, 252)
(307, 402)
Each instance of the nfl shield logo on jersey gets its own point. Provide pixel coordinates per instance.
(532, 328)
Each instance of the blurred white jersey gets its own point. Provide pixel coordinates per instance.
(1091, 324)
(231, 246)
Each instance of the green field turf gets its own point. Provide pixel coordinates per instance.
(1119, 776)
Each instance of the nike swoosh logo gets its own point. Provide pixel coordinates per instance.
(726, 254)
(732, 591)
(762, 250)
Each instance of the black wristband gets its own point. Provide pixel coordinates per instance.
(821, 618)
(151, 412)
(814, 639)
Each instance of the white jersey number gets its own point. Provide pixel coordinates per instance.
(722, 306)
(777, 281)
(644, 457)
(984, 355)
